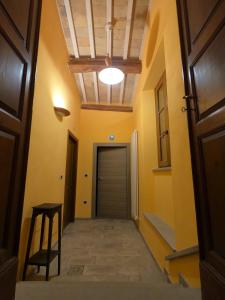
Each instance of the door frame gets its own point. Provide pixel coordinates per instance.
(181, 20)
(95, 169)
(72, 136)
(27, 132)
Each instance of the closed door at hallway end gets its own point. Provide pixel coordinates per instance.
(112, 182)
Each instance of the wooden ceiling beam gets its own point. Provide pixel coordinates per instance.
(85, 64)
(117, 108)
(74, 44)
(89, 12)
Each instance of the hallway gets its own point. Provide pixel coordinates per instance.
(112, 113)
(104, 257)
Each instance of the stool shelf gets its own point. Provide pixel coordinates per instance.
(44, 257)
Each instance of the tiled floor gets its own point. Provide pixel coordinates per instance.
(104, 250)
(104, 259)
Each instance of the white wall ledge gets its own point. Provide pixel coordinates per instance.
(166, 231)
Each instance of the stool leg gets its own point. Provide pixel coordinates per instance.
(59, 239)
(29, 245)
(42, 235)
(49, 246)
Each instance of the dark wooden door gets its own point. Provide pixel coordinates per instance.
(112, 183)
(19, 28)
(70, 183)
(202, 32)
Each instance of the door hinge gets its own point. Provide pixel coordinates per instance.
(188, 97)
(184, 109)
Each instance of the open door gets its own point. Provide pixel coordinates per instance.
(70, 181)
(19, 28)
(202, 30)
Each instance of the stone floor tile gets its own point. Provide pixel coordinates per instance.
(104, 250)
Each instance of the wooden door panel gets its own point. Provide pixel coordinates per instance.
(112, 183)
(202, 31)
(207, 74)
(8, 279)
(215, 292)
(18, 15)
(12, 78)
(214, 167)
(19, 29)
(198, 14)
(7, 153)
(105, 207)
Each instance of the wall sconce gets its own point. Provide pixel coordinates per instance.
(61, 112)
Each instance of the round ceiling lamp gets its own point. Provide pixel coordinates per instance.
(111, 75)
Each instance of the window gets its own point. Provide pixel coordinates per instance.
(162, 123)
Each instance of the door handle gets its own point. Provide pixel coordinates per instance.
(188, 97)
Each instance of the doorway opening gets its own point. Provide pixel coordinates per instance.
(70, 180)
(111, 181)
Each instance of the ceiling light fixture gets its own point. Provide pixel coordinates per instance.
(110, 75)
(61, 111)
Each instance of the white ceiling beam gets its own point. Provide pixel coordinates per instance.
(89, 12)
(74, 43)
(95, 78)
(130, 8)
(109, 28)
(128, 28)
(122, 89)
(71, 27)
(82, 86)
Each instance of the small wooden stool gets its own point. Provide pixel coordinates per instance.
(44, 257)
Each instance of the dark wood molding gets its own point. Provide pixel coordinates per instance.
(182, 253)
(165, 134)
(75, 140)
(94, 176)
(73, 136)
(87, 64)
(38, 7)
(19, 39)
(118, 108)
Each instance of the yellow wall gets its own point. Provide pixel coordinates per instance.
(95, 127)
(169, 194)
(48, 141)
